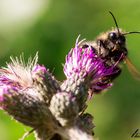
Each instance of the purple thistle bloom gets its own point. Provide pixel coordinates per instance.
(19, 77)
(84, 63)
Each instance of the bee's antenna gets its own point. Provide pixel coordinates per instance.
(134, 32)
(115, 21)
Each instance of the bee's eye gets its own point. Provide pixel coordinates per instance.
(112, 36)
(122, 38)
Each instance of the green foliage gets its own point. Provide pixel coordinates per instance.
(54, 32)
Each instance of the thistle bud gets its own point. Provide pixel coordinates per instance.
(64, 107)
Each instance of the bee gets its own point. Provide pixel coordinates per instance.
(111, 47)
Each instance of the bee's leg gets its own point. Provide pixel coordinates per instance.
(115, 75)
(100, 45)
(84, 46)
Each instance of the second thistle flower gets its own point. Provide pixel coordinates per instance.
(84, 63)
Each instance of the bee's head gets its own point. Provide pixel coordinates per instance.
(116, 38)
(117, 41)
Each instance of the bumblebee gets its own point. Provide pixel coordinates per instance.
(111, 47)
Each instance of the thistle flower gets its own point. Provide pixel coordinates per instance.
(32, 96)
(24, 90)
(87, 65)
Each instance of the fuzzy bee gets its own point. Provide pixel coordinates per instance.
(111, 47)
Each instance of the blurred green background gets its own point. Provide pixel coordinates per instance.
(51, 27)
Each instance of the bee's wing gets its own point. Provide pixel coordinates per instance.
(132, 68)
